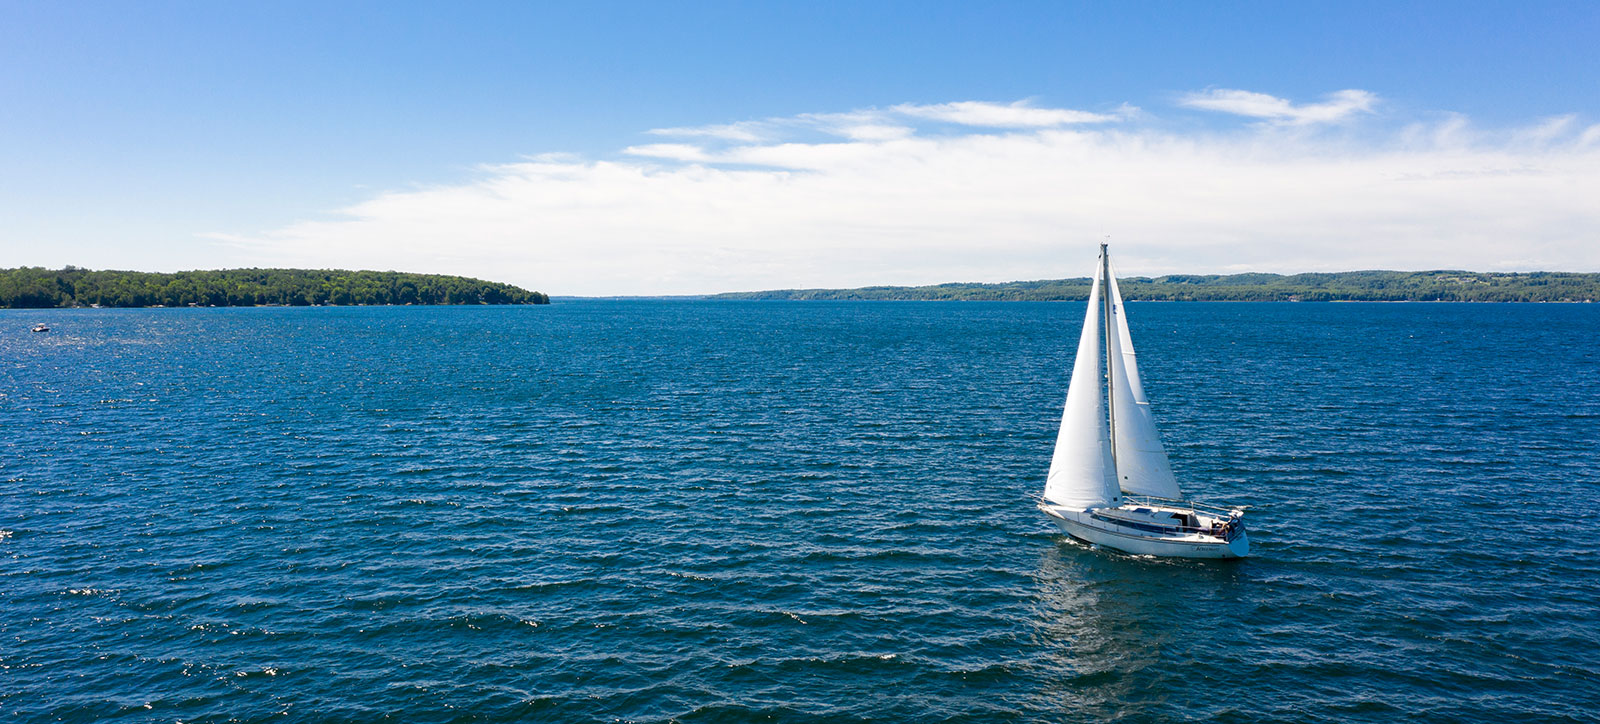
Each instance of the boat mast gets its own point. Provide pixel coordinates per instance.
(1111, 406)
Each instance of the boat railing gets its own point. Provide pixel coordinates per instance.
(1228, 511)
(1226, 531)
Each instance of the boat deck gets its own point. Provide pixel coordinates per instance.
(1165, 518)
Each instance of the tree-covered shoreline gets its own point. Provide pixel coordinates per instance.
(40, 288)
(1355, 286)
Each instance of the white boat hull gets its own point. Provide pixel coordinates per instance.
(1083, 526)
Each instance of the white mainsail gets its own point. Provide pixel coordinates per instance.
(1082, 474)
(1142, 467)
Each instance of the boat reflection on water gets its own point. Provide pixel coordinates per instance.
(1119, 637)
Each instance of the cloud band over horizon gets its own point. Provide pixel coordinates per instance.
(977, 191)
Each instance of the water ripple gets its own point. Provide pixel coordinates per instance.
(707, 511)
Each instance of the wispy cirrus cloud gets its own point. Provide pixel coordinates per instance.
(1336, 106)
(746, 132)
(896, 121)
(1547, 130)
(997, 115)
(671, 151)
(886, 196)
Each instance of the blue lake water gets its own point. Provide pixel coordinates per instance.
(794, 511)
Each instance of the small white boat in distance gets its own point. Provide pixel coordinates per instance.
(1110, 482)
(40, 327)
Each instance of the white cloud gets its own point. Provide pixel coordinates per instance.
(996, 115)
(1590, 136)
(875, 131)
(745, 132)
(865, 125)
(1548, 130)
(1454, 131)
(669, 151)
(875, 202)
(874, 124)
(1337, 107)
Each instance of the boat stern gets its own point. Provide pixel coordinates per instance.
(1239, 547)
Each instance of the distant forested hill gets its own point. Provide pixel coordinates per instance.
(36, 287)
(1386, 286)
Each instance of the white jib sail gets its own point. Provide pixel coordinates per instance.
(1081, 471)
(1142, 467)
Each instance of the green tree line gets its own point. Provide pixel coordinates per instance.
(1376, 286)
(37, 287)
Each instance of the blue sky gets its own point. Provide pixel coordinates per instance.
(392, 135)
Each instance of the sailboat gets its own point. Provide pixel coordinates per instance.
(1110, 482)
